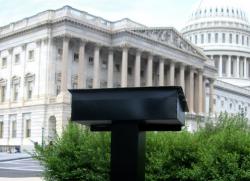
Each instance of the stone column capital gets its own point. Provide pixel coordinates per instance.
(183, 65)
(111, 49)
(211, 80)
(138, 51)
(200, 70)
(83, 41)
(125, 46)
(66, 37)
(98, 45)
(150, 55)
(38, 42)
(24, 47)
(10, 50)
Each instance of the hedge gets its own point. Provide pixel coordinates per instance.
(216, 152)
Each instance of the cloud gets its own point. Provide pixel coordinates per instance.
(149, 12)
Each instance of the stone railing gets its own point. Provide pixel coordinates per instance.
(67, 11)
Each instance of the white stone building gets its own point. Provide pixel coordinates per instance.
(44, 55)
(222, 30)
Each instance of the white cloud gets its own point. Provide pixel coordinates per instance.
(148, 12)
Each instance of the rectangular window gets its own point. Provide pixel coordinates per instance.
(247, 41)
(59, 53)
(117, 66)
(243, 40)
(29, 89)
(76, 57)
(13, 129)
(209, 38)
(17, 58)
(1, 129)
(130, 71)
(28, 128)
(237, 39)
(31, 54)
(3, 93)
(4, 62)
(91, 60)
(15, 92)
(216, 37)
(202, 38)
(58, 88)
(195, 39)
(74, 85)
(230, 38)
(223, 38)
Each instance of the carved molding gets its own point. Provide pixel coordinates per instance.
(168, 36)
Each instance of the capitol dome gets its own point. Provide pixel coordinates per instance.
(230, 10)
(221, 28)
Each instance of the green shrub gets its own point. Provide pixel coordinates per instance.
(217, 152)
(76, 155)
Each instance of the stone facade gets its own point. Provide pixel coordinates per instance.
(45, 55)
(222, 30)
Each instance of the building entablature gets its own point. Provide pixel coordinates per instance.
(232, 88)
(228, 52)
(70, 14)
(201, 25)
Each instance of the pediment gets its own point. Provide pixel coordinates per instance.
(168, 36)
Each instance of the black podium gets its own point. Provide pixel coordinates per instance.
(128, 113)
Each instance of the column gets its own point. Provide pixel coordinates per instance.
(171, 74)
(199, 92)
(248, 68)
(37, 90)
(245, 67)
(161, 72)
(65, 62)
(211, 96)
(1, 94)
(23, 65)
(138, 69)
(238, 67)
(8, 85)
(220, 66)
(124, 72)
(190, 90)
(110, 68)
(229, 66)
(204, 95)
(182, 77)
(150, 70)
(82, 66)
(96, 78)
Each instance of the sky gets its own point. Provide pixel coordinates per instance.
(149, 12)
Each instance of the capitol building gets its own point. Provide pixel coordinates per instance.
(43, 56)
